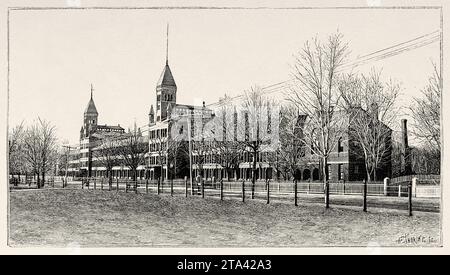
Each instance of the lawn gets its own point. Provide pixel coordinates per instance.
(91, 218)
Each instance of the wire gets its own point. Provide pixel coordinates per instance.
(377, 55)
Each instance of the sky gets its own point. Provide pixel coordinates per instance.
(55, 55)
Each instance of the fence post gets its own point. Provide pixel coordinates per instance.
(95, 183)
(203, 187)
(365, 195)
(309, 186)
(399, 190)
(295, 192)
(221, 189)
(343, 186)
(243, 190)
(82, 184)
(126, 185)
(386, 182)
(159, 182)
(136, 186)
(117, 182)
(101, 184)
(146, 186)
(410, 200)
(327, 194)
(268, 191)
(414, 186)
(185, 186)
(171, 187)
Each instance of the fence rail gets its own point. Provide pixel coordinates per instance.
(261, 190)
(284, 188)
(423, 179)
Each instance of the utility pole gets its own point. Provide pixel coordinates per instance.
(67, 162)
(190, 152)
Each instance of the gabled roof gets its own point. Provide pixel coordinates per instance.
(166, 78)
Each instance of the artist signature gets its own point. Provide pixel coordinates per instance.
(416, 239)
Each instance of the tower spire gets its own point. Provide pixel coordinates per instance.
(167, 44)
(92, 89)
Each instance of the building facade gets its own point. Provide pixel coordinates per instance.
(91, 134)
(186, 141)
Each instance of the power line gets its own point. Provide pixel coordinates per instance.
(420, 41)
(377, 55)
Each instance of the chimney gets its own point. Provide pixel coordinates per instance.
(407, 170)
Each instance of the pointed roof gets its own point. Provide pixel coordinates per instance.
(166, 78)
(91, 109)
(152, 112)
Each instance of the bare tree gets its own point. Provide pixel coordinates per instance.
(17, 161)
(290, 153)
(48, 147)
(131, 149)
(426, 110)
(40, 148)
(425, 161)
(256, 126)
(106, 153)
(201, 148)
(159, 143)
(177, 153)
(226, 144)
(371, 106)
(315, 95)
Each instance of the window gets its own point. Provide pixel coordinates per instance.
(356, 169)
(329, 171)
(340, 146)
(340, 172)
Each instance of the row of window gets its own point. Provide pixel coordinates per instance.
(156, 147)
(217, 158)
(158, 133)
(166, 97)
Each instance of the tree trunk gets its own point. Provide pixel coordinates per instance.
(229, 171)
(110, 177)
(325, 181)
(38, 182)
(255, 154)
(134, 174)
(43, 178)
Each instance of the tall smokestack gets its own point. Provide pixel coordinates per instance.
(406, 151)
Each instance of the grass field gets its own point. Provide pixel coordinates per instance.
(101, 218)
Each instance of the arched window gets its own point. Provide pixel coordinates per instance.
(315, 174)
(340, 145)
(306, 174)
